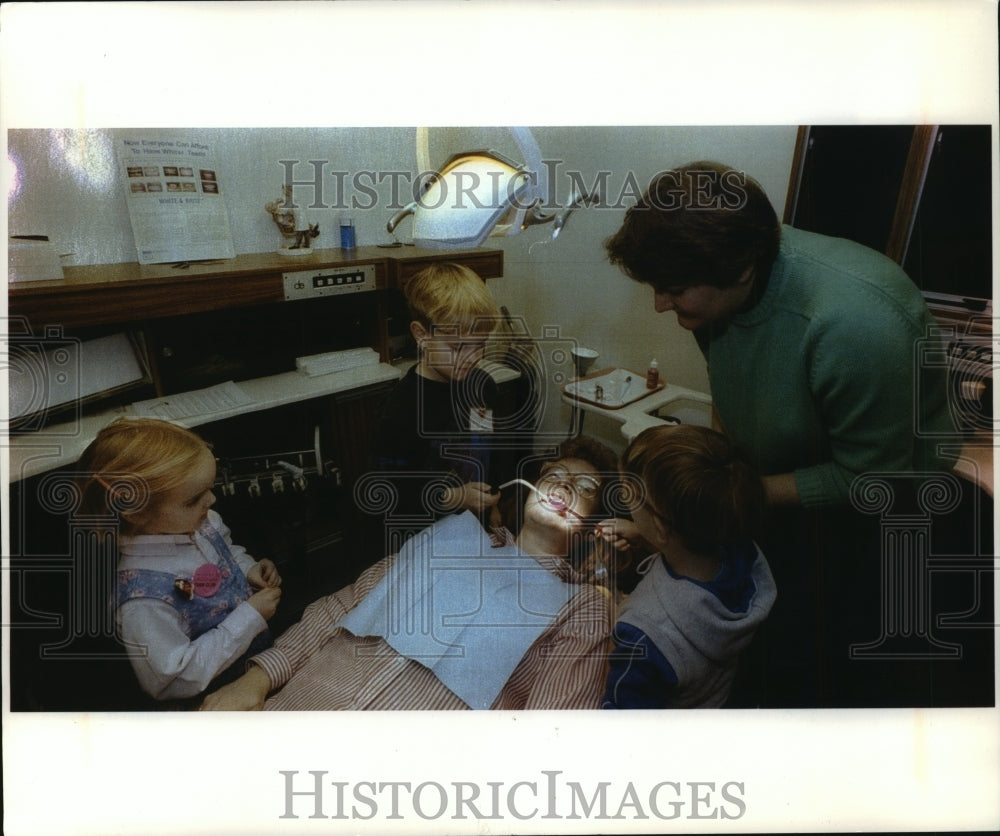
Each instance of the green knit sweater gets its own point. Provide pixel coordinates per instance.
(826, 375)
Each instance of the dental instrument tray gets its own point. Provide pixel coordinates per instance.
(610, 388)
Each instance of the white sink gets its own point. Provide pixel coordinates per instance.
(684, 410)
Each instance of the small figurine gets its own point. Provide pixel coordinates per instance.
(297, 232)
(303, 236)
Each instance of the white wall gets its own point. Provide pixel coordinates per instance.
(68, 187)
(569, 282)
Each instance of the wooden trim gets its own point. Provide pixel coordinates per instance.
(78, 307)
(795, 179)
(249, 264)
(487, 264)
(382, 328)
(132, 293)
(914, 172)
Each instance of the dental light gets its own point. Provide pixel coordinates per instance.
(478, 194)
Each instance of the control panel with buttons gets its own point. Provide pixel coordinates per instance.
(331, 281)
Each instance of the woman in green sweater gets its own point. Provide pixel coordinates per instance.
(812, 345)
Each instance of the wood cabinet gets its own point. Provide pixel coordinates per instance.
(205, 324)
(488, 264)
(121, 293)
(191, 310)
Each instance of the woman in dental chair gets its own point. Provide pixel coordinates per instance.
(460, 618)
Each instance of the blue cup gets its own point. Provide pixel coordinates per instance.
(347, 239)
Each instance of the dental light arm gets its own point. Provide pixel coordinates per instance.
(482, 193)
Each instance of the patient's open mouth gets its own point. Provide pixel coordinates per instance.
(555, 500)
(558, 500)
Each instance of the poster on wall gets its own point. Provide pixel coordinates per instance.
(175, 200)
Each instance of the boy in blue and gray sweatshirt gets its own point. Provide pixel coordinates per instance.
(695, 503)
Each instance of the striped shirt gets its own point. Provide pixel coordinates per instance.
(319, 666)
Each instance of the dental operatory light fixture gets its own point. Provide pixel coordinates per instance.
(478, 194)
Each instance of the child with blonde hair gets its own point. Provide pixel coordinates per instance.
(189, 603)
(696, 504)
(438, 421)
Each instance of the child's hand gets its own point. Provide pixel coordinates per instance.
(265, 601)
(622, 534)
(472, 496)
(264, 574)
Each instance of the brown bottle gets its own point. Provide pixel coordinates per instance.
(652, 375)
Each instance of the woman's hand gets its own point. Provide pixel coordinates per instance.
(264, 574)
(266, 601)
(245, 694)
(782, 491)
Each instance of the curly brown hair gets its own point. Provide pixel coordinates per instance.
(701, 223)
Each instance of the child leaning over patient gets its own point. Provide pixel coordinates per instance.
(696, 502)
(189, 602)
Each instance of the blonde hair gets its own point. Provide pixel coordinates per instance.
(698, 482)
(156, 456)
(447, 294)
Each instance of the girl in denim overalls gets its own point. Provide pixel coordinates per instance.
(190, 605)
